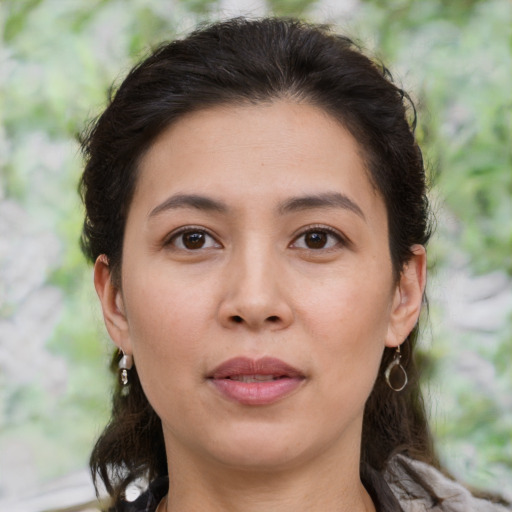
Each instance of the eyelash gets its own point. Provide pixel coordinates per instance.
(340, 239)
(171, 240)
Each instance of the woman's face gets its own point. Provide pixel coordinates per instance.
(257, 290)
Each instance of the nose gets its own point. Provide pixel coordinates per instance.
(255, 294)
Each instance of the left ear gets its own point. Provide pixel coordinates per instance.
(408, 297)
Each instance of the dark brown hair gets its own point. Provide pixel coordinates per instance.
(240, 61)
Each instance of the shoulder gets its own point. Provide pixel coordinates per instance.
(435, 493)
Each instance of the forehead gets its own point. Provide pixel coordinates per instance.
(255, 152)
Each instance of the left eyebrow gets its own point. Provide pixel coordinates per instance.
(193, 201)
(325, 200)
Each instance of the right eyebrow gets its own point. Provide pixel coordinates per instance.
(323, 200)
(194, 201)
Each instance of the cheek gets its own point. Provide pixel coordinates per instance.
(166, 326)
(166, 321)
(350, 324)
(353, 311)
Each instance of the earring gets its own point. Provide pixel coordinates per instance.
(125, 364)
(395, 374)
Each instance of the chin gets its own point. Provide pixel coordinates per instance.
(259, 460)
(260, 448)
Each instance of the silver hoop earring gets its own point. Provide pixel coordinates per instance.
(125, 364)
(395, 374)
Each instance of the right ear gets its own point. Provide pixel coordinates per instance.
(112, 304)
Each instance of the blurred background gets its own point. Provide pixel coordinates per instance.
(57, 61)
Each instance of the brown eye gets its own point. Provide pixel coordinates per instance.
(318, 239)
(193, 240)
(315, 240)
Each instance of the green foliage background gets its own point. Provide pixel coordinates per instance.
(58, 59)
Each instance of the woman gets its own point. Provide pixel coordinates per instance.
(256, 210)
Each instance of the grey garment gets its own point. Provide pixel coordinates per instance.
(453, 497)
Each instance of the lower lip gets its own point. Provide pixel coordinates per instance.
(257, 393)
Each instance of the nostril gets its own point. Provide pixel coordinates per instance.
(237, 319)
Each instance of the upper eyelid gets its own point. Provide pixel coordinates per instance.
(298, 233)
(319, 227)
(185, 229)
(343, 240)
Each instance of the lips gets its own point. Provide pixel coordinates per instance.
(255, 382)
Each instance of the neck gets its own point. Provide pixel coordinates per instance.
(323, 486)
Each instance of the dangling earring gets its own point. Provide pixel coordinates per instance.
(125, 364)
(393, 367)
